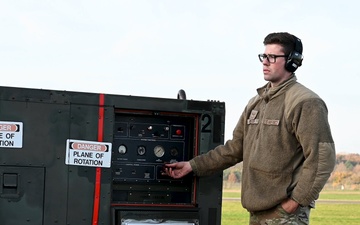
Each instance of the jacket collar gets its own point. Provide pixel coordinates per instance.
(267, 92)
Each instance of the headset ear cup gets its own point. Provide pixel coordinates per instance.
(293, 62)
(295, 58)
(288, 64)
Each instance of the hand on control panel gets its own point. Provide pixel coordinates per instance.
(177, 170)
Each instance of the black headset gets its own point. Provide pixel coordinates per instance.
(295, 57)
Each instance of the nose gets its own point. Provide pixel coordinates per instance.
(266, 61)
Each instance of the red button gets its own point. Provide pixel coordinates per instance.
(178, 132)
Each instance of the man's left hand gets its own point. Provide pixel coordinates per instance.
(289, 205)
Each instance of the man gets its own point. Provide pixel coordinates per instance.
(283, 139)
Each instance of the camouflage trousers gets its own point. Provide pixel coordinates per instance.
(278, 216)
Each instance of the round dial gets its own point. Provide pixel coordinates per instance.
(122, 149)
(174, 152)
(141, 150)
(159, 151)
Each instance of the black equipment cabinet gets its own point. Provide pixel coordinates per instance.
(75, 158)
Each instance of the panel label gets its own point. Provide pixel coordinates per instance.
(88, 153)
(11, 134)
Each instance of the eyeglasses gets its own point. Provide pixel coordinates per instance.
(270, 57)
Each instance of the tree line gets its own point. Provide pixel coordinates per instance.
(346, 174)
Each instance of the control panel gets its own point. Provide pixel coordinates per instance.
(143, 143)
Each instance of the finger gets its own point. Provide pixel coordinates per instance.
(168, 171)
(177, 174)
(170, 164)
(165, 171)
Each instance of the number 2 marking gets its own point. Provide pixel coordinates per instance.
(207, 119)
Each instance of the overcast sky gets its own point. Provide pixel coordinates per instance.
(208, 48)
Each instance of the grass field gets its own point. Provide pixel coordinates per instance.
(328, 210)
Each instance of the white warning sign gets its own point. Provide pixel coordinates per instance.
(88, 153)
(11, 134)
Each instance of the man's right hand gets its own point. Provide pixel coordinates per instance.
(177, 170)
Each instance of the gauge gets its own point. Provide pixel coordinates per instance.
(159, 151)
(122, 149)
(141, 150)
(174, 152)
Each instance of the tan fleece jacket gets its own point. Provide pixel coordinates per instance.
(284, 140)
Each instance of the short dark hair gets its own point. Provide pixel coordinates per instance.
(286, 40)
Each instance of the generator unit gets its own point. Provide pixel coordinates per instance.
(76, 158)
